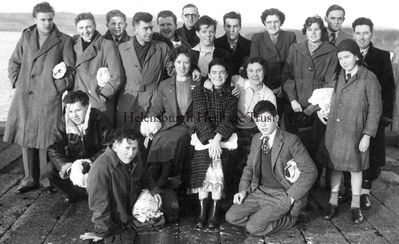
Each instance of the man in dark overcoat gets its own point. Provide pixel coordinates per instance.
(379, 62)
(39, 85)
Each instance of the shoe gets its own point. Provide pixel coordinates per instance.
(332, 212)
(49, 190)
(365, 202)
(72, 198)
(213, 220)
(202, 216)
(357, 216)
(22, 189)
(345, 197)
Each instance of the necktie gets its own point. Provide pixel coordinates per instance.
(265, 144)
(332, 38)
(348, 77)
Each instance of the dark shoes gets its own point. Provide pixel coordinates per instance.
(23, 189)
(332, 212)
(357, 216)
(365, 202)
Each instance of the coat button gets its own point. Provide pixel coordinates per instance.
(310, 68)
(30, 92)
(33, 76)
(338, 120)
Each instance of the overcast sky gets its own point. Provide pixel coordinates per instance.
(381, 12)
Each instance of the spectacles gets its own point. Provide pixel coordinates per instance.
(193, 16)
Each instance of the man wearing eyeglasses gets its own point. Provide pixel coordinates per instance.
(190, 17)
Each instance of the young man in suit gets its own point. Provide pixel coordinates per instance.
(233, 42)
(379, 62)
(335, 16)
(269, 198)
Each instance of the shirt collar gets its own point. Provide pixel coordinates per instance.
(198, 48)
(247, 85)
(271, 137)
(353, 72)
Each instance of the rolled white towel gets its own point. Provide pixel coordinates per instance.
(291, 171)
(103, 76)
(59, 70)
(149, 127)
(78, 176)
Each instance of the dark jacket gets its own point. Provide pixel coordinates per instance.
(100, 53)
(159, 37)
(285, 147)
(69, 147)
(239, 54)
(379, 62)
(306, 72)
(181, 32)
(125, 37)
(113, 190)
(36, 104)
(275, 56)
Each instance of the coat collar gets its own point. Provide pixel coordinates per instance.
(359, 75)
(324, 48)
(90, 52)
(129, 47)
(269, 42)
(52, 40)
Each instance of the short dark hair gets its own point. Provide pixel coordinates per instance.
(334, 7)
(141, 16)
(166, 14)
(263, 107)
(125, 133)
(314, 19)
(185, 51)
(113, 13)
(252, 60)
(84, 16)
(363, 21)
(190, 5)
(232, 15)
(43, 7)
(217, 61)
(205, 20)
(76, 96)
(272, 11)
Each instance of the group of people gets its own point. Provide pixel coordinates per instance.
(184, 109)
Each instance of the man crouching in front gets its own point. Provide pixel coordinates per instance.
(276, 179)
(114, 184)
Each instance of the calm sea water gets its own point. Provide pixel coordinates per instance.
(8, 40)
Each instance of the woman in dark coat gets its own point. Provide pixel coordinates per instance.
(354, 115)
(310, 65)
(214, 111)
